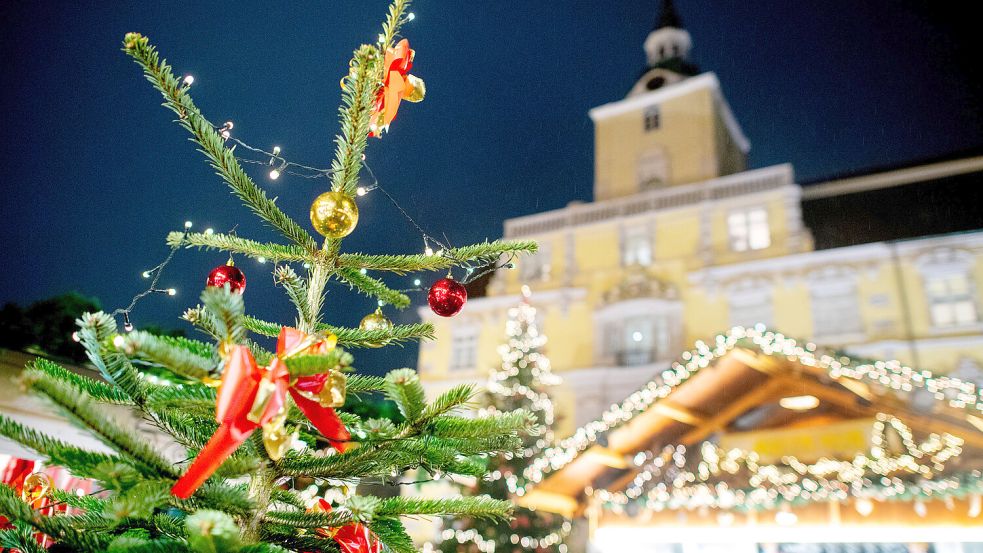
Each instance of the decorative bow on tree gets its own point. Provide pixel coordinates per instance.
(397, 85)
(351, 538)
(251, 397)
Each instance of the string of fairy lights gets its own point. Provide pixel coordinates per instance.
(889, 375)
(278, 166)
(668, 479)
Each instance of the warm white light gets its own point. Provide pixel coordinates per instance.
(209, 231)
(725, 518)
(799, 403)
(274, 174)
(636, 336)
(975, 505)
(410, 16)
(77, 338)
(189, 80)
(363, 270)
(261, 259)
(526, 292)
(276, 150)
(146, 274)
(428, 251)
(920, 508)
(119, 340)
(786, 517)
(416, 282)
(361, 191)
(864, 506)
(171, 292)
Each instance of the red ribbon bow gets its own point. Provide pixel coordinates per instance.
(251, 396)
(397, 85)
(351, 538)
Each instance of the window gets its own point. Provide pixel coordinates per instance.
(652, 118)
(536, 266)
(751, 308)
(637, 340)
(464, 348)
(636, 247)
(835, 309)
(950, 300)
(653, 170)
(748, 229)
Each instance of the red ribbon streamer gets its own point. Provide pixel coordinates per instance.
(352, 538)
(242, 381)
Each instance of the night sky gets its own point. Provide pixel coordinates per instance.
(95, 173)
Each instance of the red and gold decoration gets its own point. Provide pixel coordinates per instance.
(376, 321)
(227, 274)
(351, 538)
(447, 296)
(37, 487)
(397, 85)
(334, 214)
(252, 397)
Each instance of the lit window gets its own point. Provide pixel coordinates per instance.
(835, 310)
(536, 266)
(464, 348)
(950, 300)
(637, 340)
(652, 118)
(749, 230)
(653, 170)
(637, 247)
(750, 308)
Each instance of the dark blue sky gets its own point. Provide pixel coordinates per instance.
(95, 173)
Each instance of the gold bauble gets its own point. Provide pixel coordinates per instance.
(276, 439)
(333, 392)
(376, 321)
(36, 487)
(334, 214)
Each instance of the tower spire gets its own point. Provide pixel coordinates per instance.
(668, 17)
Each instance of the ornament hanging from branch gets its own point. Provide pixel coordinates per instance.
(447, 296)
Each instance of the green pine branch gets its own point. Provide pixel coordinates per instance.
(99, 391)
(164, 352)
(372, 287)
(479, 507)
(402, 264)
(82, 462)
(353, 337)
(243, 246)
(210, 142)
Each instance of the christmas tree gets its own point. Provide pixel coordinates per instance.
(254, 421)
(519, 383)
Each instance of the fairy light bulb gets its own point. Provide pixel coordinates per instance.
(416, 282)
(171, 292)
(276, 150)
(118, 341)
(261, 259)
(209, 231)
(428, 251)
(410, 16)
(77, 338)
(188, 80)
(361, 191)
(187, 224)
(145, 274)
(274, 174)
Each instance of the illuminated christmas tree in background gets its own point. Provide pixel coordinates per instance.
(519, 383)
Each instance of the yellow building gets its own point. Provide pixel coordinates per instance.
(683, 242)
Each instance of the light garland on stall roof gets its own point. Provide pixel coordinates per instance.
(790, 480)
(891, 374)
(488, 546)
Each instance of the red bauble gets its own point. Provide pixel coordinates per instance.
(447, 297)
(227, 274)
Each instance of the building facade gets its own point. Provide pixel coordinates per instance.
(683, 241)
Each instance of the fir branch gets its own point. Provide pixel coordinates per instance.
(222, 159)
(372, 287)
(467, 255)
(100, 391)
(249, 248)
(404, 389)
(59, 527)
(392, 533)
(496, 424)
(81, 406)
(352, 337)
(163, 352)
(447, 401)
(480, 507)
(97, 329)
(358, 96)
(80, 461)
(364, 383)
(303, 519)
(297, 291)
(226, 309)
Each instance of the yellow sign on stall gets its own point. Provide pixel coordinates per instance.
(842, 440)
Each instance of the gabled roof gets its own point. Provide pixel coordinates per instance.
(733, 384)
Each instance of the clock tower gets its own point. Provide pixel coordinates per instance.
(674, 126)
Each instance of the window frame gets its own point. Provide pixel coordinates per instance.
(744, 229)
